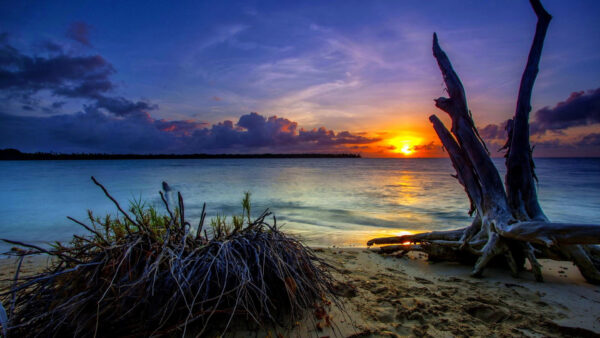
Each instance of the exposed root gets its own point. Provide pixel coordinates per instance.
(146, 274)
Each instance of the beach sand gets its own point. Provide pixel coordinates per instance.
(387, 296)
(410, 296)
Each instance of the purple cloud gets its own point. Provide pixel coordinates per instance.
(115, 124)
(493, 132)
(261, 131)
(590, 140)
(121, 106)
(67, 76)
(51, 47)
(579, 109)
(94, 131)
(179, 127)
(325, 137)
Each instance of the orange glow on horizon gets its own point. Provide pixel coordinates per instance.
(406, 150)
(404, 145)
(404, 233)
(403, 132)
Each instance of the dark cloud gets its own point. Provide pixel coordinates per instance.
(587, 145)
(579, 109)
(89, 131)
(590, 140)
(179, 127)
(92, 89)
(94, 131)
(261, 131)
(325, 137)
(51, 46)
(67, 76)
(60, 73)
(115, 124)
(121, 106)
(254, 132)
(58, 104)
(80, 32)
(493, 131)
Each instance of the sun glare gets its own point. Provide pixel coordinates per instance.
(404, 145)
(403, 233)
(406, 150)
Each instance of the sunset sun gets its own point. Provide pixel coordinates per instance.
(404, 145)
(406, 150)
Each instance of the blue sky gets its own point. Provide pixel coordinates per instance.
(359, 66)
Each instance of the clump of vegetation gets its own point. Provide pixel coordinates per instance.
(145, 273)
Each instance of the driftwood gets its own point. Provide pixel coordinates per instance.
(509, 224)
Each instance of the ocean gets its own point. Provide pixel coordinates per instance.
(326, 202)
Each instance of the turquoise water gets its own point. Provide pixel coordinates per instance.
(341, 202)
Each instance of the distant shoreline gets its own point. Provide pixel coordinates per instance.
(16, 155)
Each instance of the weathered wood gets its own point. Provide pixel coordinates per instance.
(536, 267)
(494, 204)
(399, 247)
(472, 231)
(520, 176)
(492, 248)
(464, 170)
(553, 233)
(509, 223)
(466, 134)
(426, 236)
(578, 255)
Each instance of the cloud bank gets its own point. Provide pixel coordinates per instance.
(579, 109)
(114, 124)
(549, 124)
(62, 75)
(94, 131)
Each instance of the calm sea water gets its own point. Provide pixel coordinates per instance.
(342, 202)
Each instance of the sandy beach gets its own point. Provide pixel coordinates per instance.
(388, 296)
(410, 296)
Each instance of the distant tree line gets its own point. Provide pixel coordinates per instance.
(14, 154)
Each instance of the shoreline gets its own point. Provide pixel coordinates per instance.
(16, 155)
(387, 296)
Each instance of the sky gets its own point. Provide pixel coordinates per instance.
(288, 76)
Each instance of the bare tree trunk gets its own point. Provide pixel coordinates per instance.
(509, 221)
(520, 176)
